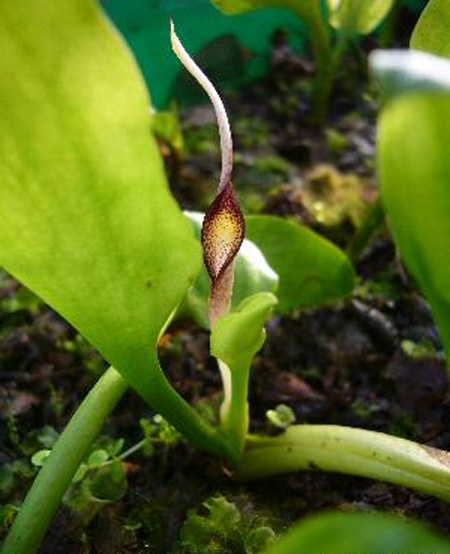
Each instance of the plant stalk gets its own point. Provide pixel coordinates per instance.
(165, 400)
(234, 413)
(351, 451)
(70, 449)
(319, 31)
(310, 12)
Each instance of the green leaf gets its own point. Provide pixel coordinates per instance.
(97, 458)
(232, 7)
(86, 218)
(282, 416)
(312, 270)
(39, 457)
(414, 174)
(252, 274)
(370, 533)
(355, 16)
(401, 71)
(237, 336)
(80, 473)
(431, 32)
(117, 447)
(109, 483)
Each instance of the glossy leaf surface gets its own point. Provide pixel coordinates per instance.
(414, 171)
(356, 16)
(86, 218)
(431, 33)
(311, 269)
(369, 533)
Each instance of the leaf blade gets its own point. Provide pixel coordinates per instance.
(370, 533)
(431, 31)
(86, 217)
(311, 269)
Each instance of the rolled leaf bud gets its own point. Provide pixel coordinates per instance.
(224, 226)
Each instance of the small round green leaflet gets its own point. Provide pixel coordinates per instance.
(431, 33)
(359, 533)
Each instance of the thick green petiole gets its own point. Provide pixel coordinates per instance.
(56, 475)
(352, 451)
(235, 339)
(164, 399)
(73, 445)
(310, 12)
(234, 412)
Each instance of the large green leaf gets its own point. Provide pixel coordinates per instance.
(356, 16)
(370, 533)
(414, 174)
(311, 269)
(431, 32)
(86, 218)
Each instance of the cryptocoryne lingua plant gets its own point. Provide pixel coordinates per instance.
(88, 223)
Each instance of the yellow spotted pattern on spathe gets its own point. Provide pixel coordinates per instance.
(222, 232)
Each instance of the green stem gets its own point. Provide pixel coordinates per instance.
(135, 448)
(340, 47)
(351, 451)
(234, 416)
(372, 221)
(56, 475)
(310, 12)
(387, 34)
(164, 399)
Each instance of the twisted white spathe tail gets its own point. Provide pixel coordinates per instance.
(226, 142)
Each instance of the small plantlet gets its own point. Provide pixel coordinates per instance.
(281, 417)
(224, 527)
